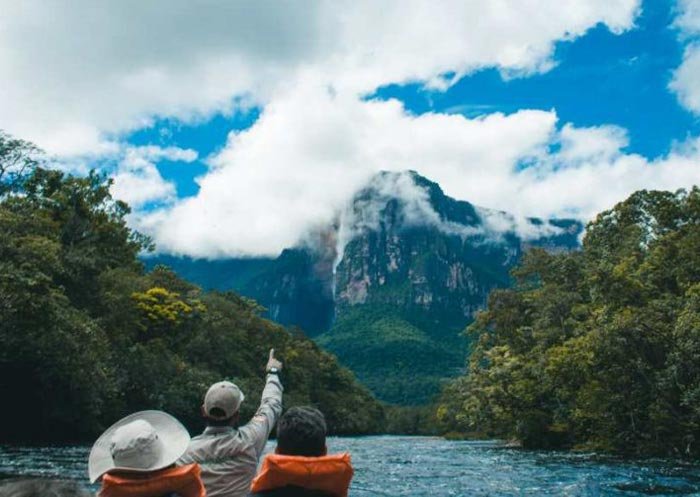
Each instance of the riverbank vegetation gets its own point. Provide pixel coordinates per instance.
(86, 336)
(599, 348)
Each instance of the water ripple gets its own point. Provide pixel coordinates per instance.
(432, 467)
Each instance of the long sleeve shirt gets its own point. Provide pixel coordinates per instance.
(229, 456)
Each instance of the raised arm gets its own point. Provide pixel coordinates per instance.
(258, 429)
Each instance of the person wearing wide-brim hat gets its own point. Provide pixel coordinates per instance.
(136, 457)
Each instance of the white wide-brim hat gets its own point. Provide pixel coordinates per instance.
(151, 440)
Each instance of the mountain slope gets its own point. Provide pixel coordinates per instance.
(419, 260)
(224, 274)
(390, 285)
(398, 360)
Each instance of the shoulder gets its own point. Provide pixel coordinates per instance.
(211, 446)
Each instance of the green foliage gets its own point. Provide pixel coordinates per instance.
(597, 349)
(396, 359)
(163, 311)
(17, 159)
(411, 420)
(392, 308)
(87, 337)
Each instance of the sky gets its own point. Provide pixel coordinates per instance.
(236, 128)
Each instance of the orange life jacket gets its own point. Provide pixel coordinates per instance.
(185, 481)
(330, 473)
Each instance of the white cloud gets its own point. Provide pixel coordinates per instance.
(497, 223)
(82, 73)
(590, 183)
(137, 180)
(311, 150)
(688, 18)
(366, 211)
(686, 79)
(599, 144)
(78, 73)
(155, 153)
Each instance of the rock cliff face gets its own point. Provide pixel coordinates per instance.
(416, 267)
(444, 266)
(297, 290)
(390, 286)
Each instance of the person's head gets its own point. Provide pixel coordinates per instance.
(222, 403)
(42, 488)
(301, 431)
(142, 442)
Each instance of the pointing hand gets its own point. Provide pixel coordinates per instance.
(272, 362)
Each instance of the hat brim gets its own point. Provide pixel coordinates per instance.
(173, 436)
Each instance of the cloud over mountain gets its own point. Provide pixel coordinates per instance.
(310, 151)
(85, 73)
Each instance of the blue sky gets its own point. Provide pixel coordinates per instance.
(206, 138)
(237, 128)
(600, 78)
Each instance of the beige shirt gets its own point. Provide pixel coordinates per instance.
(228, 456)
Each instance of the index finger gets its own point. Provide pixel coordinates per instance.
(272, 353)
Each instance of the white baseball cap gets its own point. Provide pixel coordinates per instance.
(141, 442)
(224, 396)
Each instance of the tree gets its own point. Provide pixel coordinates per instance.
(597, 348)
(17, 159)
(87, 337)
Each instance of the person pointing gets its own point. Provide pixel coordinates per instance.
(228, 455)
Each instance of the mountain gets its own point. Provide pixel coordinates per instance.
(223, 274)
(294, 291)
(389, 286)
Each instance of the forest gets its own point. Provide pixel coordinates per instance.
(597, 349)
(592, 349)
(87, 336)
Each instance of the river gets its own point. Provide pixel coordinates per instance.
(422, 466)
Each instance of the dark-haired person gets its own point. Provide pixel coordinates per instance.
(301, 466)
(227, 454)
(39, 487)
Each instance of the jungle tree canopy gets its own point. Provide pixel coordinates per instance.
(86, 336)
(599, 348)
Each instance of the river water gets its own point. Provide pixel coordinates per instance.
(421, 466)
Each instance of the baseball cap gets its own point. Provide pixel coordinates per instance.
(224, 396)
